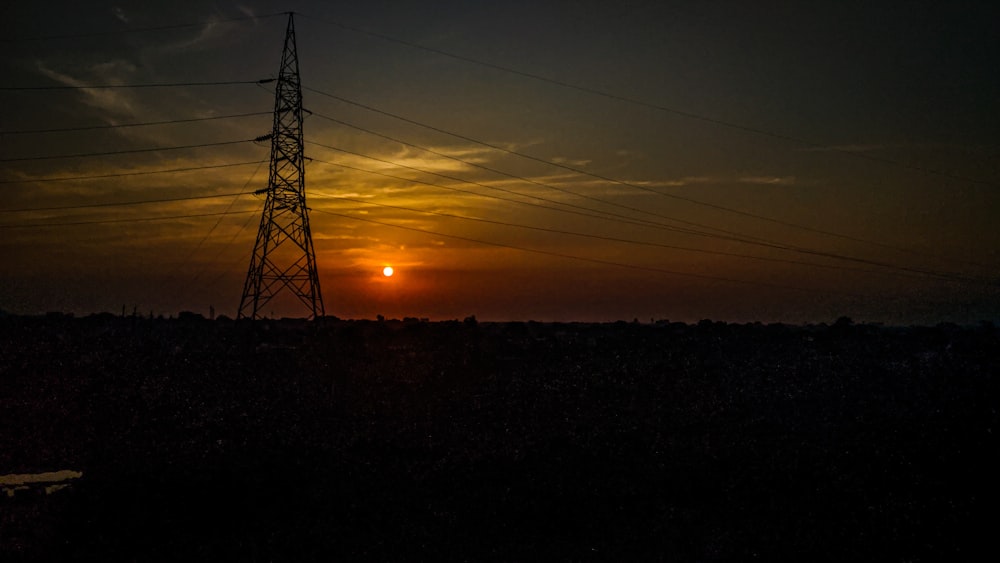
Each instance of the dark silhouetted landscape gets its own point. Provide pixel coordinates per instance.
(396, 440)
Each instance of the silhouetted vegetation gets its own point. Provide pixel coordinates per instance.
(467, 440)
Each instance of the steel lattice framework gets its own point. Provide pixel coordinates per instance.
(283, 256)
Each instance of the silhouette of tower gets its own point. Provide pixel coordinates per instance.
(283, 256)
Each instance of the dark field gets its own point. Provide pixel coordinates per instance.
(392, 441)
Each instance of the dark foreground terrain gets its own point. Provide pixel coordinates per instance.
(392, 441)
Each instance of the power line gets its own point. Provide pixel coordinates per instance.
(137, 29)
(630, 220)
(533, 158)
(637, 222)
(634, 186)
(659, 107)
(122, 125)
(729, 235)
(592, 260)
(244, 258)
(118, 203)
(619, 240)
(500, 198)
(524, 179)
(127, 151)
(122, 174)
(624, 220)
(134, 220)
(123, 86)
(241, 193)
(185, 291)
(738, 238)
(609, 215)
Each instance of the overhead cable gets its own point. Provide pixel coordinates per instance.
(743, 239)
(632, 185)
(535, 182)
(659, 107)
(138, 29)
(123, 125)
(892, 269)
(125, 86)
(591, 260)
(126, 151)
(119, 203)
(110, 221)
(619, 239)
(122, 174)
(244, 191)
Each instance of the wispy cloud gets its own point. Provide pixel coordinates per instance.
(583, 184)
(847, 148)
(448, 158)
(676, 183)
(114, 103)
(769, 180)
(407, 161)
(565, 180)
(247, 11)
(570, 161)
(210, 32)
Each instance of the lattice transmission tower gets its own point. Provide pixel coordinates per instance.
(283, 256)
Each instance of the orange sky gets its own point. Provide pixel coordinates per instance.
(901, 177)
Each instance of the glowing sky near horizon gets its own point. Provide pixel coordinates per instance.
(901, 108)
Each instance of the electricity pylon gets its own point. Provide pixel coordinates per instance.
(283, 256)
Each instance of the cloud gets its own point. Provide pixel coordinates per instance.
(247, 11)
(769, 180)
(676, 183)
(570, 162)
(576, 180)
(206, 34)
(407, 161)
(344, 237)
(339, 195)
(211, 31)
(448, 159)
(613, 188)
(846, 148)
(115, 102)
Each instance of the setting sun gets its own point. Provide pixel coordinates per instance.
(387, 271)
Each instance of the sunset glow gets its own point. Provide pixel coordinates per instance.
(598, 167)
(644, 280)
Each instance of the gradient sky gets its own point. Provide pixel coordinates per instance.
(873, 121)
